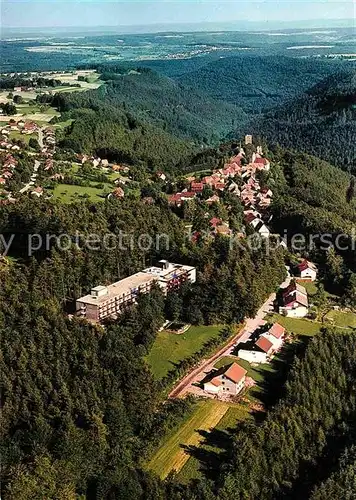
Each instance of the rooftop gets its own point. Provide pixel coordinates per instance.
(126, 285)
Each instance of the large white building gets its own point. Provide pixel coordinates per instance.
(110, 301)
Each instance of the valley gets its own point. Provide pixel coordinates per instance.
(177, 265)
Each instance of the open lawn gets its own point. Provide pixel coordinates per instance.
(299, 326)
(171, 454)
(341, 319)
(170, 348)
(69, 193)
(14, 134)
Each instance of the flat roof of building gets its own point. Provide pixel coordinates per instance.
(119, 288)
(170, 272)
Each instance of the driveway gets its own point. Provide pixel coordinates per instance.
(189, 382)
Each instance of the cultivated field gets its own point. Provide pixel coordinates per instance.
(171, 455)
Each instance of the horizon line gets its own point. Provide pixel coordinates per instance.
(196, 23)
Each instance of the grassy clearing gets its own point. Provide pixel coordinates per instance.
(64, 124)
(342, 319)
(172, 455)
(67, 193)
(22, 137)
(170, 348)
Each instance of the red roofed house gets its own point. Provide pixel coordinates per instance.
(277, 331)
(175, 199)
(269, 344)
(219, 186)
(208, 180)
(161, 176)
(2, 181)
(262, 162)
(197, 187)
(229, 380)
(29, 128)
(307, 271)
(215, 221)
(295, 301)
(187, 195)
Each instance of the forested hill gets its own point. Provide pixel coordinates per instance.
(321, 122)
(141, 115)
(318, 200)
(257, 83)
(161, 101)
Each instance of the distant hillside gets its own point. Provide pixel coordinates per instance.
(321, 122)
(140, 115)
(257, 83)
(163, 102)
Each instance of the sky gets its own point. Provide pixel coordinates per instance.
(90, 13)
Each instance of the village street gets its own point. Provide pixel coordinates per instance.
(33, 177)
(40, 138)
(189, 383)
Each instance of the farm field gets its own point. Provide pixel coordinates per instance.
(193, 467)
(170, 348)
(171, 454)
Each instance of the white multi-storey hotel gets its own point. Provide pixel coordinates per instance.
(109, 301)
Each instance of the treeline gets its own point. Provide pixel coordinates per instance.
(9, 82)
(298, 445)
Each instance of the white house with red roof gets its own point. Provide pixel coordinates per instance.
(254, 357)
(265, 347)
(295, 301)
(38, 191)
(307, 271)
(228, 380)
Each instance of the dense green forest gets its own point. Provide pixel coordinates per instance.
(257, 83)
(142, 116)
(316, 199)
(299, 444)
(71, 391)
(322, 121)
